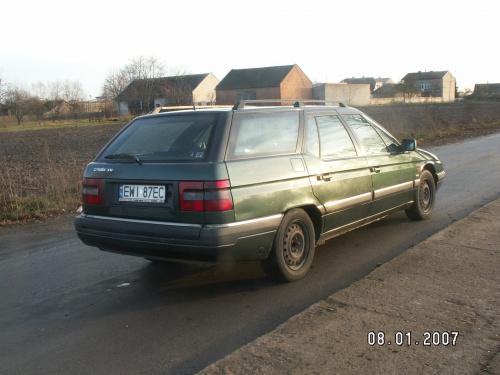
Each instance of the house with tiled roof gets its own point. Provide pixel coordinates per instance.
(143, 95)
(379, 82)
(439, 84)
(486, 91)
(275, 82)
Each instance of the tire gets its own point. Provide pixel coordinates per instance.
(293, 248)
(425, 198)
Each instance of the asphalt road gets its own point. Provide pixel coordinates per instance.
(69, 308)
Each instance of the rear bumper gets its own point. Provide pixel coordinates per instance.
(244, 240)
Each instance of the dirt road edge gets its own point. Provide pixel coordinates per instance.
(448, 283)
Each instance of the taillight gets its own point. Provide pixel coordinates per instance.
(205, 196)
(191, 195)
(92, 191)
(217, 196)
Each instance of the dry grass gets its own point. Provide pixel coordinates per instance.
(24, 197)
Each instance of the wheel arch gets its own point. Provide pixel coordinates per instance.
(432, 169)
(315, 216)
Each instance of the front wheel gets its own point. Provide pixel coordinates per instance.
(425, 198)
(293, 247)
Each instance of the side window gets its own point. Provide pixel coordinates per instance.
(263, 134)
(335, 142)
(366, 133)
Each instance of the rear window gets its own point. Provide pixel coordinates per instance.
(263, 134)
(166, 138)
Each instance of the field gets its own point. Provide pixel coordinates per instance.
(41, 169)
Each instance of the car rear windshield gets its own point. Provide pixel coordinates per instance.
(164, 138)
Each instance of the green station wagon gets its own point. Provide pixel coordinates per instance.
(247, 183)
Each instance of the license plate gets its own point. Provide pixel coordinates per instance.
(142, 193)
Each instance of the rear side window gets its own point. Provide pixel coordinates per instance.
(263, 134)
(167, 138)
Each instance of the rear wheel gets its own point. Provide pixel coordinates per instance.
(425, 198)
(293, 247)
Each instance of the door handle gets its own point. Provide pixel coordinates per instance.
(325, 177)
(375, 169)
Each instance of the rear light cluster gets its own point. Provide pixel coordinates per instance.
(193, 195)
(92, 191)
(205, 196)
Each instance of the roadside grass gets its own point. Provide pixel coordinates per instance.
(58, 192)
(433, 131)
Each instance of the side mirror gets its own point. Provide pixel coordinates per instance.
(408, 145)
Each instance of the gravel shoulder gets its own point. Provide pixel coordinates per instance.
(448, 283)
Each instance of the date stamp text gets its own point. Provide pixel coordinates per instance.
(400, 338)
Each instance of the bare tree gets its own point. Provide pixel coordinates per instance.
(115, 83)
(211, 97)
(73, 94)
(54, 93)
(40, 90)
(148, 70)
(20, 102)
(72, 91)
(409, 88)
(177, 90)
(464, 93)
(144, 68)
(140, 78)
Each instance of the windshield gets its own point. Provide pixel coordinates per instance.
(165, 138)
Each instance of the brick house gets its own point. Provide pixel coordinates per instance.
(275, 82)
(433, 84)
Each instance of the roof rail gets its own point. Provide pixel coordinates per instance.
(186, 107)
(298, 103)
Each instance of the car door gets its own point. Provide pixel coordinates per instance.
(340, 178)
(266, 171)
(391, 170)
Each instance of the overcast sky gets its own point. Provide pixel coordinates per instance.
(55, 40)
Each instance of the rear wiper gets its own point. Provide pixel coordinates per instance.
(124, 156)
